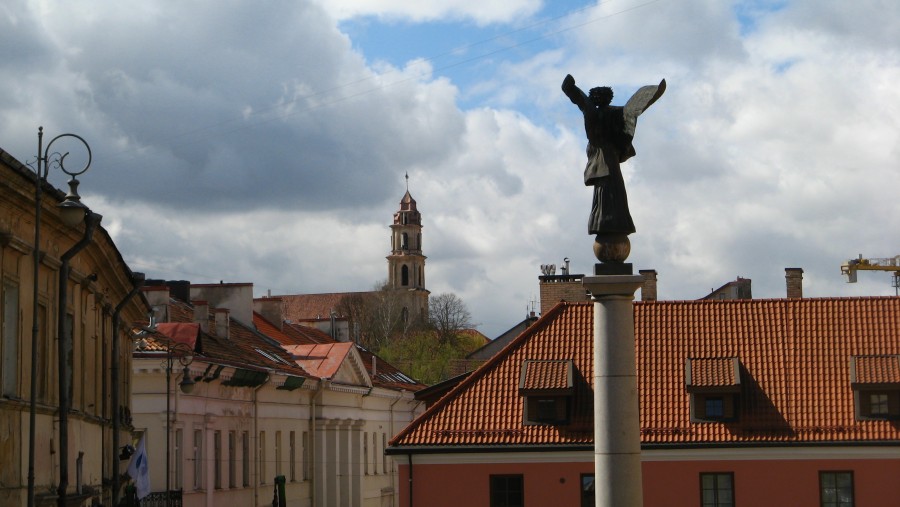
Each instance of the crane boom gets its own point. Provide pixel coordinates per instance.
(850, 268)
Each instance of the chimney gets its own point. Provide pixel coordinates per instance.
(648, 289)
(201, 314)
(271, 309)
(180, 290)
(793, 277)
(223, 318)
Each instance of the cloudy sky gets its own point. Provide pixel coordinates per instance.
(267, 142)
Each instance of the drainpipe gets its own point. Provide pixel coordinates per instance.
(391, 426)
(312, 440)
(409, 457)
(138, 282)
(63, 353)
(256, 437)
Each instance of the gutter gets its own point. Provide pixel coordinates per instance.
(456, 449)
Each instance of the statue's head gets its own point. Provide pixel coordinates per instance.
(601, 95)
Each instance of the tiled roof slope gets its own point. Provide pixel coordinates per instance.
(713, 371)
(299, 307)
(244, 348)
(386, 375)
(882, 369)
(795, 357)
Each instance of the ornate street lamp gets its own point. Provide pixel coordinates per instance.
(72, 212)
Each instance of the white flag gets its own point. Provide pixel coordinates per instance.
(139, 471)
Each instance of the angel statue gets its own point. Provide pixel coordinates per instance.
(610, 130)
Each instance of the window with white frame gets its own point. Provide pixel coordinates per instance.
(198, 459)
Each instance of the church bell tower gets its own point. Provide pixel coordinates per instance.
(406, 264)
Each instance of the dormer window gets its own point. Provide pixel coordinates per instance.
(715, 387)
(875, 380)
(547, 388)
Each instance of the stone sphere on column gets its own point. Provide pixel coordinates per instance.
(612, 247)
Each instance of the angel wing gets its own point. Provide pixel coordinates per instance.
(639, 102)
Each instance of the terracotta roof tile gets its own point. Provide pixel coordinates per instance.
(882, 369)
(320, 360)
(795, 357)
(713, 372)
(546, 375)
(300, 307)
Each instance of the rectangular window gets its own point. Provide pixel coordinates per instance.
(715, 407)
(198, 459)
(306, 457)
(277, 453)
(708, 407)
(879, 404)
(9, 344)
(365, 454)
(179, 457)
(245, 459)
(374, 453)
(292, 442)
(587, 490)
(507, 491)
(262, 457)
(217, 459)
(546, 409)
(42, 353)
(384, 457)
(232, 460)
(836, 489)
(717, 489)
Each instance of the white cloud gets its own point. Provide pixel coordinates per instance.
(432, 10)
(259, 145)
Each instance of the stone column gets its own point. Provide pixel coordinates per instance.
(617, 440)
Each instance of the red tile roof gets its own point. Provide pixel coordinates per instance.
(320, 360)
(883, 369)
(545, 374)
(795, 357)
(713, 372)
(181, 332)
(300, 307)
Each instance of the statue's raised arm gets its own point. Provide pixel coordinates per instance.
(574, 93)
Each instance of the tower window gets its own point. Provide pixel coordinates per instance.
(404, 276)
(404, 243)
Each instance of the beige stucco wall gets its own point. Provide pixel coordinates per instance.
(90, 303)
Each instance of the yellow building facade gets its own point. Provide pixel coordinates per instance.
(99, 281)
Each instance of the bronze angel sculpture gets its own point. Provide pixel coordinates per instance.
(610, 130)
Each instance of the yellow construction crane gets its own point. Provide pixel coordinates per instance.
(850, 268)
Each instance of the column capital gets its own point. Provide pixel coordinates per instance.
(612, 285)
